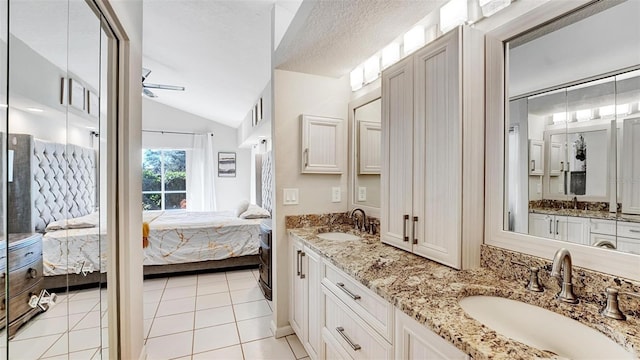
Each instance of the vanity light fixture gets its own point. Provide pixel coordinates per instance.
(490, 7)
(608, 110)
(371, 69)
(413, 39)
(357, 78)
(390, 54)
(33, 109)
(559, 117)
(452, 14)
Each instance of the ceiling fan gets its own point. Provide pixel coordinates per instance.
(147, 86)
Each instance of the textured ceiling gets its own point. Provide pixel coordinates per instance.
(331, 37)
(219, 50)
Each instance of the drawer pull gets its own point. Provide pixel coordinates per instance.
(32, 273)
(351, 295)
(340, 330)
(29, 253)
(634, 231)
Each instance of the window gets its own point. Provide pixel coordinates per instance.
(164, 179)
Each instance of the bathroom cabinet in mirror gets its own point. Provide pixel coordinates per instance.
(568, 109)
(365, 152)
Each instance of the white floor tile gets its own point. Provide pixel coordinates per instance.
(89, 294)
(211, 278)
(213, 317)
(169, 346)
(147, 327)
(37, 328)
(212, 288)
(251, 310)
(216, 337)
(255, 329)
(152, 296)
(242, 283)
(78, 355)
(155, 284)
(213, 301)
(101, 354)
(171, 324)
(298, 350)
(186, 280)
(29, 349)
(92, 319)
(149, 310)
(85, 339)
(247, 295)
(269, 348)
(228, 353)
(239, 274)
(179, 292)
(171, 307)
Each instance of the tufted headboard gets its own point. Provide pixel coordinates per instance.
(267, 182)
(59, 182)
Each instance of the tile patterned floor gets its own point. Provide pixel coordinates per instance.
(199, 317)
(212, 316)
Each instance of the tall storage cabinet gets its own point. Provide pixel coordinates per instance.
(433, 138)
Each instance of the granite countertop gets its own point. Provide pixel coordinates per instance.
(429, 292)
(605, 215)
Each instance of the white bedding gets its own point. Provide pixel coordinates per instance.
(175, 237)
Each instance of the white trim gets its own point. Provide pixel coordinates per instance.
(617, 263)
(143, 353)
(279, 332)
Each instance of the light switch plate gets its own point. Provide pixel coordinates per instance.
(290, 197)
(362, 193)
(335, 194)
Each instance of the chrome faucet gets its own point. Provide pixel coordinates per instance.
(575, 203)
(562, 261)
(355, 219)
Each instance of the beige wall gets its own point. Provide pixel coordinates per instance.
(296, 94)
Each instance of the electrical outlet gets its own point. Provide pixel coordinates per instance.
(335, 194)
(362, 193)
(290, 197)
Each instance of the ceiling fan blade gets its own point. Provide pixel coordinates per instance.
(145, 73)
(163, 87)
(148, 93)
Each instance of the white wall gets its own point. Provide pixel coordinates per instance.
(295, 94)
(156, 116)
(249, 135)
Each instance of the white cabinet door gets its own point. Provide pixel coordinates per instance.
(296, 306)
(631, 166)
(322, 145)
(437, 147)
(541, 225)
(314, 310)
(370, 147)
(572, 229)
(396, 178)
(536, 156)
(556, 159)
(416, 342)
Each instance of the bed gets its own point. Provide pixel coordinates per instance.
(75, 241)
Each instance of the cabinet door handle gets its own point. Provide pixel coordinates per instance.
(634, 231)
(348, 292)
(298, 262)
(415, 236)
(404, 228)
(557, 223)
(533, 165)
(306, 157)
(550, 225)
(302, 276)
(346, 338)
(561, 165)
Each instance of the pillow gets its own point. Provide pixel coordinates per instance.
(83, 222)
(255, 212)
(242, 207)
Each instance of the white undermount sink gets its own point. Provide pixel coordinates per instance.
(338, 236)
(542, 329)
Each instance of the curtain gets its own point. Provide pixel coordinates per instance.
(201, 193)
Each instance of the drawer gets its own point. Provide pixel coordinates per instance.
(24, 277)
(23, 255)
(332, 350)
(377, 312)
(594, 238)
(19, 305)
(629, 230)
(628, 245)
(354, 336)
(605, 227)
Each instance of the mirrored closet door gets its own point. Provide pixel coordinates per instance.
(54, 176)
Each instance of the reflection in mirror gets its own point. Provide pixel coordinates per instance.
(368, 154)
(571, 165)
(5, 164)
(57, 191)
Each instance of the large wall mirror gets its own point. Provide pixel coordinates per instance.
(55, 57)
(365, 152)
(572, 131)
